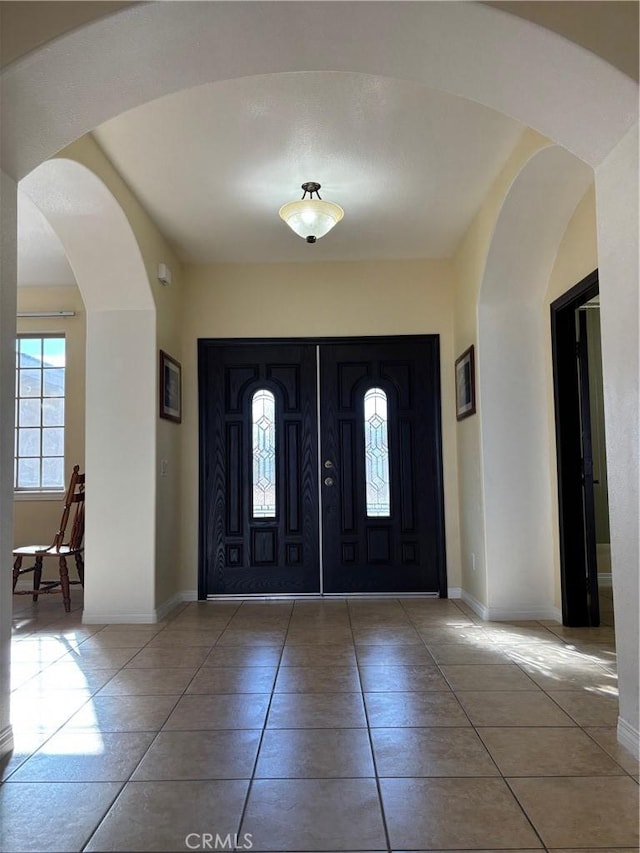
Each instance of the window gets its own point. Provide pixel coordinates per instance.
(263, 422)
(39, 433)
(376, 454)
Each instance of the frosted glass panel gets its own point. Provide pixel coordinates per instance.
(263, 420)
(376, 454)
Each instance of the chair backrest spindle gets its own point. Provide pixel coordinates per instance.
(74, 495)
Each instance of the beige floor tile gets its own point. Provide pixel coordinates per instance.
(205, 755)
(123, 713)
(233, 679)
(51, 831)
(158, 816)
(581, 812)
(547, 752)
(121, 639)
(171, 637)
(103, 658)
(512, 708)
(394, 655)
(325, 655)
(588, 708)
(181, 656)
(314, 814)
(430, 752)
(251, 637)
(461, 653)
(129, 682)
(44, 710)
(314, 754)
(316, 710)
(78, 756)
(445, 634)
(429, 814)
(395, 710)
(317, 679)
(607, 738)
(308, 635)
(69, 676)
(380, 636)
(219, 711)
(487, 677)
(244, 656)
(513, 635)
(567, 677)
(376, 679)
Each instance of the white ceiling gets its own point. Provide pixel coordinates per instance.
(41, 258)
(213, 164)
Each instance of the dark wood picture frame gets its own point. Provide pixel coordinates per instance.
(466, 384)
(170, 385)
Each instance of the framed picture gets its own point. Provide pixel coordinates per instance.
(170, 388)
(465, 384)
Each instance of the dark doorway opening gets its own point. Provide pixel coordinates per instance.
(582, 480)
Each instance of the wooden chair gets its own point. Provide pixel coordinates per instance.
(59, 549)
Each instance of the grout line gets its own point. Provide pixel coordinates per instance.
(264, 725)
(373, 755)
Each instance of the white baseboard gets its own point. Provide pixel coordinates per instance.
(6, 740)
(189, 595)
(454, 592)
(629, 737)
(119, 618)
(511, 614)
(149, 618)
(477, 606)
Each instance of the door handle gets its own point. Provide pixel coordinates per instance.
(328, 481)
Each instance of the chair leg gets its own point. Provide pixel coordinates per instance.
(64, 583)
(16, 571)
(80, 568)
(37, 575)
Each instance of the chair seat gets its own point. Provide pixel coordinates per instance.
(43, 550)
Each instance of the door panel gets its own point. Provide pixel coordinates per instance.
(390, 541)
(402, 551)
(241, 551)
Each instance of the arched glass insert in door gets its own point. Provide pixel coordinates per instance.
(376, 454)
(263, 430)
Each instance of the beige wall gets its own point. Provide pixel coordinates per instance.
(469, 264)
(309, 300)
(36, 521)
(154, 249)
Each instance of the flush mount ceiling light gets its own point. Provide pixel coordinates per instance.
(311, 218)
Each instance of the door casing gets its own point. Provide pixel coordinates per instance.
(439, 526)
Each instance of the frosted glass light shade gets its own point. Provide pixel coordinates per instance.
(311, 219)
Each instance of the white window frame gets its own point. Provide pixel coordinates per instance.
(41, 492)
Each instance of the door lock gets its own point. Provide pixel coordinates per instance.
(328, 464)
(328, 481)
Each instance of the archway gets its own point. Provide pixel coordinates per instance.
(151, 49)
(120, 419)
(513, 340)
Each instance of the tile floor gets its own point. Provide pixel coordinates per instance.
(360, 725)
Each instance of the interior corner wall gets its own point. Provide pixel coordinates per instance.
(577, 257)
(469, 263)
(36, 521)
(316, 300)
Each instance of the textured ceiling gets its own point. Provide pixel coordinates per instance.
(212, 165)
